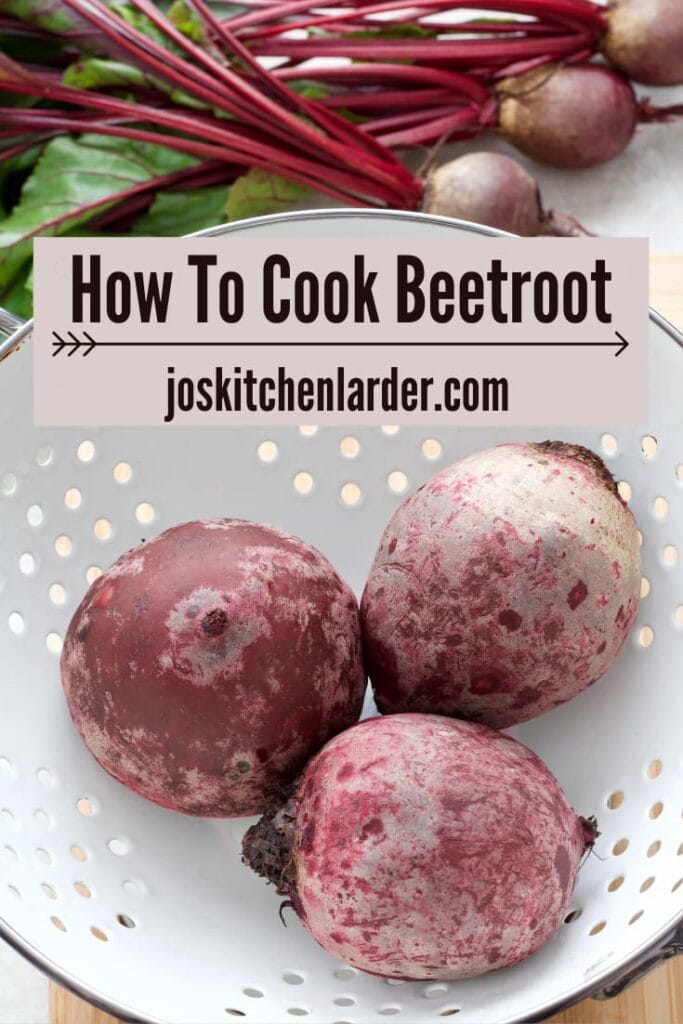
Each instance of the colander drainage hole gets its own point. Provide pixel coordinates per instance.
(610, 445)
(92, 573)
(73, 499)
(308, 431)
(27, 564)
(397, 481)
(267, 451)
(34, 515)
(86, 451)
(679, 472)
(431, 449)
(655, 847)
(648, 446)
(303, 482)
(680, 850)
(10, 855)
(349, 447)
(573, 915)
(389, 1011)
(670, 555)
(53, 642)
(85, 806)
(98, 934)
(133, 888)
(63, 546)
(345, 973)
(127, 922)
(49, 891)
(344, 1001)
(597, 928)
(292, 978)
(298, 1011)
(615, 799)
(78, 853)
(6, 768)
(102, 529)
(676, 886)
(44, 455)
(8, 484)
(82, 889)
(621, 846)
(644, 586)
(435, 991)
(656, 810)
(123, 473)
(15, 892)
(625, 490)
(41, 818)
(8, 819)
(636, 917)
(119, 847)
(654, 769)
(350, 494)
(45, 778)
(646, 636)
(615, 884)
(253, 993)
(235, 1013)
(57, 594)
(58, 923)
(43, 857)
(647, 884)
(450, 1012)
(16, 623)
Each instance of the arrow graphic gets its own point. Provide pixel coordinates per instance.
(89, 345)
(73, 346)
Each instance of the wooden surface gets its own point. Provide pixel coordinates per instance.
(658, 999)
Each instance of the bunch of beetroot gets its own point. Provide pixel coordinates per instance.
(206, 87)
(206, 668)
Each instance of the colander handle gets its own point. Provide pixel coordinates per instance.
(9, 323)
(646, 962)
(11, 335)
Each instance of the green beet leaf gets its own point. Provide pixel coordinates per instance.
(182, 213)
(257, 193)
(74, 180)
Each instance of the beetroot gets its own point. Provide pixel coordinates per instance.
(421, 847)
(206, 666)
(645, 40)
(503, 587)
(492, 189)
(573, 116)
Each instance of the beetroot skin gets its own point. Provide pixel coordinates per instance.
(503, 587)
(422, 847)
(206, 666)
(573, 116)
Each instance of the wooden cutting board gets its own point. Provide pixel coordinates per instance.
(658, 999)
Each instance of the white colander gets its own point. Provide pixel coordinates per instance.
(152, 914)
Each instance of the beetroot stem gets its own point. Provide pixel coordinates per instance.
(345, 132)
(284, 125)
(563, 11)
(439, 128)
(230, 147)
(458, 52)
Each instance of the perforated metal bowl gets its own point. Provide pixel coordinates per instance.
(151, 914)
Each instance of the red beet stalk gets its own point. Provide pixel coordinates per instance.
(642, 39)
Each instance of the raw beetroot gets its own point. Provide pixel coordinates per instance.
(206, 666)
(503, 587)
(422, 847)
(573, 116)
(492, 189)
(644, 39)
